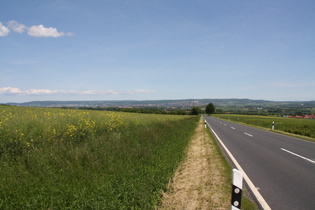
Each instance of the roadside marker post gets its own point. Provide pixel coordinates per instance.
(205, 124)
(237, 187)
(273, 125)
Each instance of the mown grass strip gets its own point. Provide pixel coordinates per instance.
(199, 182)
(204, 178)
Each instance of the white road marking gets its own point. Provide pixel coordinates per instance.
(224, 124)
(297, 155)
(249, 134)
(233, 128)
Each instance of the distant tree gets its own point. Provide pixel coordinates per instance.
(195, 110)
(210, 109)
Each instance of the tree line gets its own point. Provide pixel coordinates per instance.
(195, 110)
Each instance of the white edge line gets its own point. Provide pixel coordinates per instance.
(248, 134)
(258, 196)
(300, 156)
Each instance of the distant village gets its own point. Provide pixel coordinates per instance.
(311, 116)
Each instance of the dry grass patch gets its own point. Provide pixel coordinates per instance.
(199, 182)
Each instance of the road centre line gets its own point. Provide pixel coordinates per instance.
(233, 128)
(248, 134)
(297, 155)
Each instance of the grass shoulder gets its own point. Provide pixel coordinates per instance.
(297, 128)
(203, 179)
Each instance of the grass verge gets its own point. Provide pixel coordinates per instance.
(299, 128)
(204, 178)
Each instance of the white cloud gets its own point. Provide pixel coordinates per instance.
(4, 31)
(17, 91)
(16, 26)
(37, 31)
(112, 92)
(9, 90)
(41, 31)
(14, 91)
(69, 34)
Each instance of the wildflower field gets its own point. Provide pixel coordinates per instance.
(75, 159)
(303, 127)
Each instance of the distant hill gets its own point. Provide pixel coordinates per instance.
(236, 106)
(219, 103)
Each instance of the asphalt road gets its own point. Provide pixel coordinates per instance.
(282, 168)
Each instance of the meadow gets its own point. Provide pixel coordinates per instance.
(303, 127)
(78, 159)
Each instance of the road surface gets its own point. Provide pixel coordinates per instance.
(282, 168)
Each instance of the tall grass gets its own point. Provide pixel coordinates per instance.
(72, 159)
(304, 127)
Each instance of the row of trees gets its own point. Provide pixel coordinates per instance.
(196, 110)
(210, 109)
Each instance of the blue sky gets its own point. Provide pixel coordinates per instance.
(156, 49)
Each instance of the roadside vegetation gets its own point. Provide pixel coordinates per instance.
(79, 159)
(303, 127)
(203, 180)
(144, 110)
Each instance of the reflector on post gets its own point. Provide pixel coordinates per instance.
(237, 187)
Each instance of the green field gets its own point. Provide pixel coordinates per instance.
(75, 159)
(303, 127)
